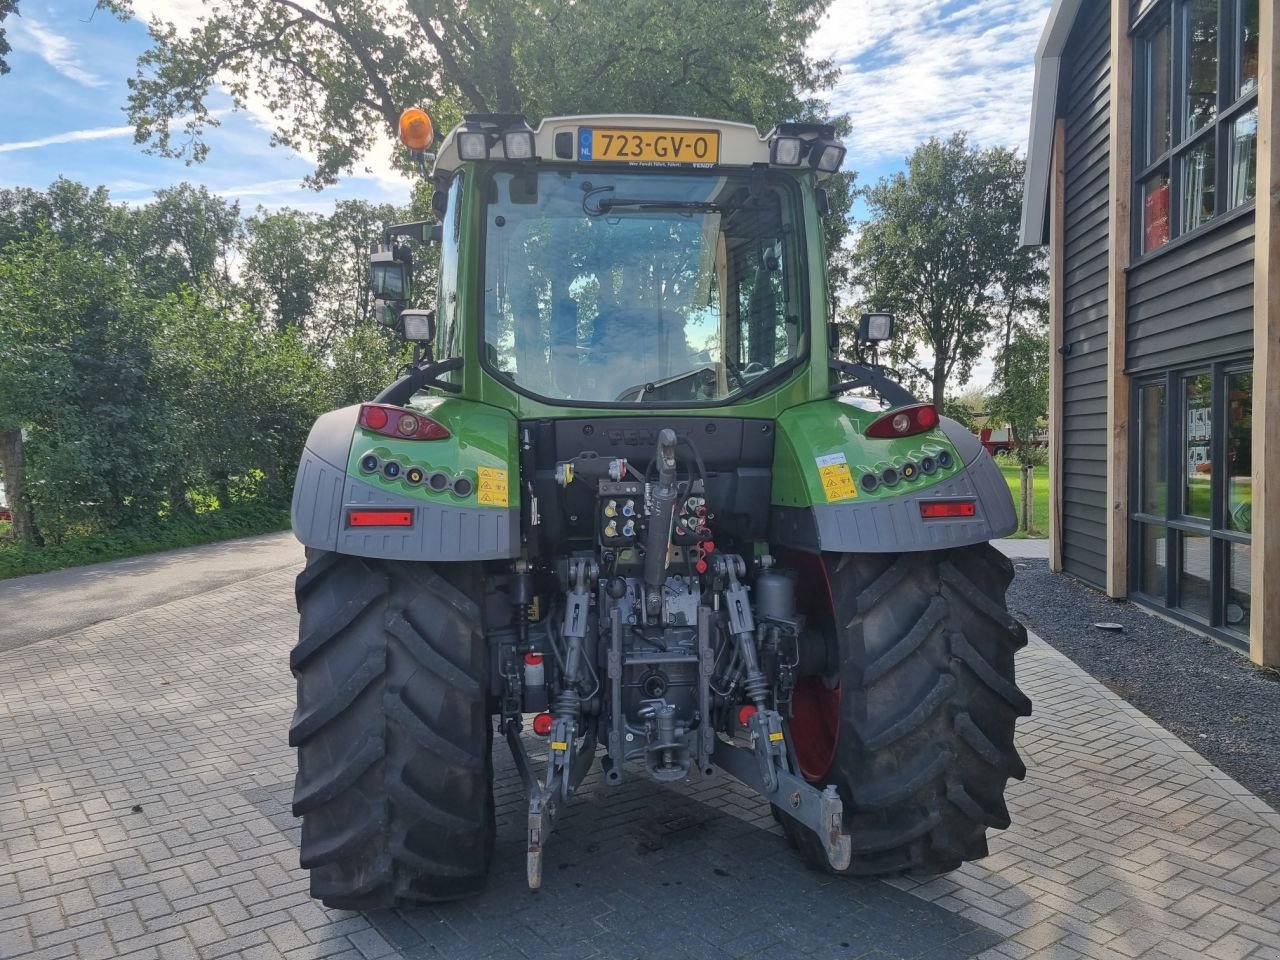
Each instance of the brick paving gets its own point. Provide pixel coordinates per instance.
(144, 783)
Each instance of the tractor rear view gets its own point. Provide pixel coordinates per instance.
(628, 495)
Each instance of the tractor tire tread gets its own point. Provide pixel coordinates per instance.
(395, 775)
(927, 711)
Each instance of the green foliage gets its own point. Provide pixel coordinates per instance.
(336, 81)
(139, 383)
(1020, 394)
(241, 520)
(941, 252)
(6, 7)
(1012, 471)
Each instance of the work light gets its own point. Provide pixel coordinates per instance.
(473, 145)
(419, 325)
(518, 144)
(785, 151)
(875, 327)
(827, 157)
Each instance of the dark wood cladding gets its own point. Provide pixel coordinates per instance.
(1193, 302)
(1085, 103)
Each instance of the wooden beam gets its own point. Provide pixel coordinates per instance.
(1057, 283)
(1264, 615)
(1121, 147)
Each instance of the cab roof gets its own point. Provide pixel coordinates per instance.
(561, 139)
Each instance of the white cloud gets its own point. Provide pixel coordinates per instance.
(73, 136)
(55, 50)
(912, 71)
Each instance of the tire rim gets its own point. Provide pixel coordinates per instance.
(815, 726)
(815, 706)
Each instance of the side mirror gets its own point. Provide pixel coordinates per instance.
(823, 201)
(387, 314)
(875, 327)
(389, 276)
(419, 325)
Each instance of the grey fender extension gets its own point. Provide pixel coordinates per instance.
(895, 525)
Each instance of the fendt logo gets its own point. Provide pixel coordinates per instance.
(645, 437)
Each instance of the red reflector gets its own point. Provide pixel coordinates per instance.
(542, 724)
(401, 423)
(948, 509)
(380, 518)
(745, 714)
(905, 422)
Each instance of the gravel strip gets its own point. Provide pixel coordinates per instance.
(1212, 698)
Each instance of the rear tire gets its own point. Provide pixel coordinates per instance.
(395, 771)
(916, 728)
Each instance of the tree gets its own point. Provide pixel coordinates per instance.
(6, 7)
(1020, 398)
(940, 243)
(336, 74)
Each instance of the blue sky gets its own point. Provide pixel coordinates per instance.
(912, 69)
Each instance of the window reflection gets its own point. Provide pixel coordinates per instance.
(1155, 561)
(1199, 172)
(1244, 158)
(1158, 99)
(1247, 48)
(1155, 212)
(1193, 579)
(1155, 461)
(1198, 440)
(1239, 478)
(1238, 593)
(1200, 67)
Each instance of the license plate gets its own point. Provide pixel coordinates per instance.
(649, 146)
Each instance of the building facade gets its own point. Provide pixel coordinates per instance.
(1152, 176)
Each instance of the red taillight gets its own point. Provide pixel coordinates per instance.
(380, 518)
(948, 509)
(398, 422)
(905, 422)
(542, 724)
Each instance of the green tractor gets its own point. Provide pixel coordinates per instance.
(629, 495)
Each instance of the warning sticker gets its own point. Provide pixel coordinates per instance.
(837, 480)
(492, 491)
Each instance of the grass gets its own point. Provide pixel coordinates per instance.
(240, 520)
(1040, 492)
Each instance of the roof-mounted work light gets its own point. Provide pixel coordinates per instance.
(473, 145)
(518, 144)
(786, 151)
(826, 157)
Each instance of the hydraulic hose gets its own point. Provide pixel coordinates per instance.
(658, 542)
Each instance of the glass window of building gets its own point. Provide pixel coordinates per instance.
(1196, 102)
(1190, 551)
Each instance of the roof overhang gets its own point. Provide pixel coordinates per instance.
(1044, 112)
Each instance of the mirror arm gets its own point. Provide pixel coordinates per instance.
(418, 378)
(863, 376)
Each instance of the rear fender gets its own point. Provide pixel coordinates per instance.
(824, 497)
(475, 516)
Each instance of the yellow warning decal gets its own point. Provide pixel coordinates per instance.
(492, 491)
(837, 480)
(559, 745)
(775, 736)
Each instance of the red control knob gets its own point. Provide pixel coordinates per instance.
(542, 724)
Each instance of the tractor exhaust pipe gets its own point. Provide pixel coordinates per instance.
(658, 543)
